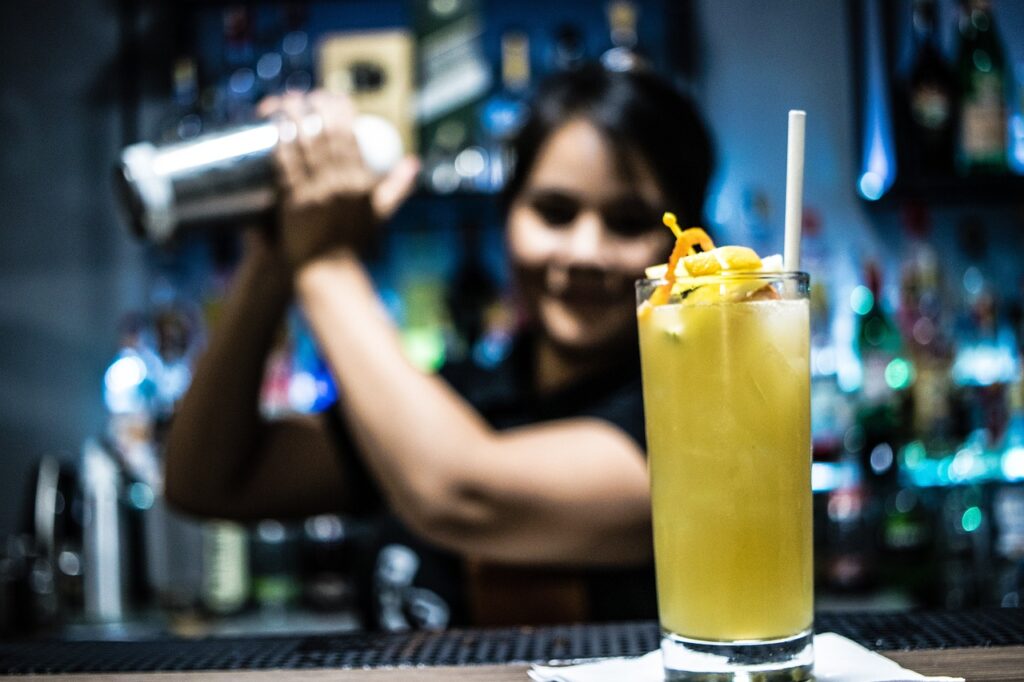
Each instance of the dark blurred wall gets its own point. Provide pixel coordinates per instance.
(66, 267)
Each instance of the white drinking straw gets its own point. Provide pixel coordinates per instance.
(794, 189)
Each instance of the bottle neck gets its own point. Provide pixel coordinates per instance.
(925, 33)
(622, 19)
(976, 20)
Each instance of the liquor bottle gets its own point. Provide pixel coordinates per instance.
(297, 69)
(503, 113)
(225, 576)
(1012, 463)
(327, 563)
(470, 293)
(183, 120)
(454, 78)
(129, 382)
(930, 99)
(982, 75)
(817, 263)
(275, 567)
(830, 416)
(270, 62)
(965, 546)
(623, 16)
(1008, 509)
(878, 344)
(1008, 566)
(240, 90)
(924, 328)
(845, 554)
(886, 376)
(986, 359)
(908, 545)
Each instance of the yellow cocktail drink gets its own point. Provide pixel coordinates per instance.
(724, 351)
(727, 403)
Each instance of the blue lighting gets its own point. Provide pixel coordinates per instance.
(878, 166)
(303, 392)
(127, 384)
(125, 373)
(985, 364)
(914, 455)
(899, 374)
(1013, 464)
(871, 186)
(861, 300)
(1017, 127)
(824, 477)
(141, 495)
(971, 519)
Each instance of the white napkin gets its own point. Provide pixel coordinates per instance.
(836, 659)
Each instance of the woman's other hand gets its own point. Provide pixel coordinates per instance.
(329, 199)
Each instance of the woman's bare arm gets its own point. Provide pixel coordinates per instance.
(569, 492)
(222, 459)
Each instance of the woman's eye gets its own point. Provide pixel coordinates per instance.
(630, 224)
(556, 212)
(630, 216)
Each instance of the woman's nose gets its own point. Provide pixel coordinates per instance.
(586, 240)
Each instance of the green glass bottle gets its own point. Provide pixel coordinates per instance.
(982, 73)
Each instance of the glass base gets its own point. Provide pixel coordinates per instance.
(783, 660)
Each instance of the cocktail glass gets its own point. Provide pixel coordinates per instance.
(726, 384)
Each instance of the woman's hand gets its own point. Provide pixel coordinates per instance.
(329, 198)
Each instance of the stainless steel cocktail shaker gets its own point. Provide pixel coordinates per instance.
(224, 177)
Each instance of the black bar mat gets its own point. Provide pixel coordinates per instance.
(884, 631)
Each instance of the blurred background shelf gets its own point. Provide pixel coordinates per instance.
(919, 486)
(940, 116)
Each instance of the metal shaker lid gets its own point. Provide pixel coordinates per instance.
(146, 195)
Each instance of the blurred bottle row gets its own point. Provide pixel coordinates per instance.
(453, 103)
(919, 433)
(963, 115)
(918, 424)
(916, 415)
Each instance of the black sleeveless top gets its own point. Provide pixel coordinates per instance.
(504, 396)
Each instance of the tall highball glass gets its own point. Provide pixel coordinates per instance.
(726, 382)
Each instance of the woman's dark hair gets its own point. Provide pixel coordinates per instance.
(638, 112)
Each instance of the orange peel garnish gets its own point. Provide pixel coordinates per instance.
(695, 257)
(686, 240)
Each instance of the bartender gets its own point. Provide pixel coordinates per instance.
(521, 488)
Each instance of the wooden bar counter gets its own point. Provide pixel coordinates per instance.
(1004, 664)
(985, 645)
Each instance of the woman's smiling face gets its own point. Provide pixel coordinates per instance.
(580, 233)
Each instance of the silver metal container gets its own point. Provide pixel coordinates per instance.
(103, 543)
(224, 177)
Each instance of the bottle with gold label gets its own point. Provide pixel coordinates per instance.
(981, 66)
(930, 98)
(503, 113)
